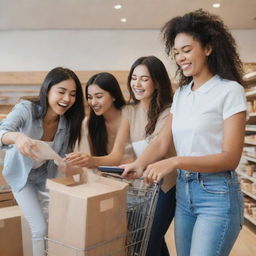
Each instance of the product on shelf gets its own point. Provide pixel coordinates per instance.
(246, 185)
(249, 205)
(254, 212)
(250, 138)
(249, 149)
(250, 107)
(253, 188)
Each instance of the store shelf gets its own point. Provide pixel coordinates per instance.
(250, 128)
(249, 194)
(251, 219)
(250, 142)
(252, 114)
(244, 175)
(249, 158)
(250, 93)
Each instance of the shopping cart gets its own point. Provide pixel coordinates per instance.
(141, 204)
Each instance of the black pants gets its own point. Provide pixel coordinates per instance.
(165, 210)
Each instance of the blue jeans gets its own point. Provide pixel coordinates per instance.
(209, 213)
(164, 214)
(33, 201)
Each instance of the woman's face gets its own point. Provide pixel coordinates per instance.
(62, 96)
(99, 100)
(190, 55)
(141, 83)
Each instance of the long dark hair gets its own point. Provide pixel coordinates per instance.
(98, 137)
(73, 115)
(162, 95)
(210, 30)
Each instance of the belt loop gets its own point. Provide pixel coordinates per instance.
(179, 173)
(198, 176)
(232, 174)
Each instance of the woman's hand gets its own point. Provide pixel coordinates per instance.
(156, 171)
(26, 146)
(79, 159)
(132, 171)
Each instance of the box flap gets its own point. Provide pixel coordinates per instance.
(98, 186)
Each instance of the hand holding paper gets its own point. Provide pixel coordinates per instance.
(44, 152)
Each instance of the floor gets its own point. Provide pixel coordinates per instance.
(244, 246)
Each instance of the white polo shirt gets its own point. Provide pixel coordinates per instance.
(198, 116)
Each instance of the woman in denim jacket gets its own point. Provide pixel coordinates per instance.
(56, 118)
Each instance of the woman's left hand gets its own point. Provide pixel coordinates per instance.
(79, 159)
(156, 171)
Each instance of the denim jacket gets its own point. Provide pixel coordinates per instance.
(16, 166)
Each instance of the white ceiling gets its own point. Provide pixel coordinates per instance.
(100, 14)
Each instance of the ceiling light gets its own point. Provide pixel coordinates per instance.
(216, 5)
(118, 6)
(123, 20)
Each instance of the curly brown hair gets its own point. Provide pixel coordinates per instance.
(208, 29)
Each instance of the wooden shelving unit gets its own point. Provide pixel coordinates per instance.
(249, 157)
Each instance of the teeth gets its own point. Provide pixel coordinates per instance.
(96, 108)
(185, 66)
(63, 104)
(139, 90)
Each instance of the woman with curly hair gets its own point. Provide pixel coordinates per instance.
(207, 126)
(150, 99)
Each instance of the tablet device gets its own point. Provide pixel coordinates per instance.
(111, 169)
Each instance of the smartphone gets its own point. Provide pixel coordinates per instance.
(111, 169)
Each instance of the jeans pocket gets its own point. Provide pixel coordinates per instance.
(214, 185)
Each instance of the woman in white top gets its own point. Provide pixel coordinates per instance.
(207, 124)
(150, 97)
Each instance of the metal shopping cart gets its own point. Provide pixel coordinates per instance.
(141, 204)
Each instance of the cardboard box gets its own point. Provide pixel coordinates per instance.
(10, 232)
(87, 219)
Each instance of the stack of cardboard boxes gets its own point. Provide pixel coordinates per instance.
(15, 235)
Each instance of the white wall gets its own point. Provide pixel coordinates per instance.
(92, 49)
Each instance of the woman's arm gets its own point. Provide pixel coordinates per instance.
(114, 158)
(24, 144)
(228, 159)
(156, 150)
(11, 126)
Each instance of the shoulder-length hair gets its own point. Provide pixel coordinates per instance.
(209, 30)
(162, 95)
(73, 115)
(97, 132)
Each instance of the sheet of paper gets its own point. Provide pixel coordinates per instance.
(45, 152)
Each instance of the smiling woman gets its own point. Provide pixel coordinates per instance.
(56, 118)
(106, 101)
(206, 125)
(142, 119)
